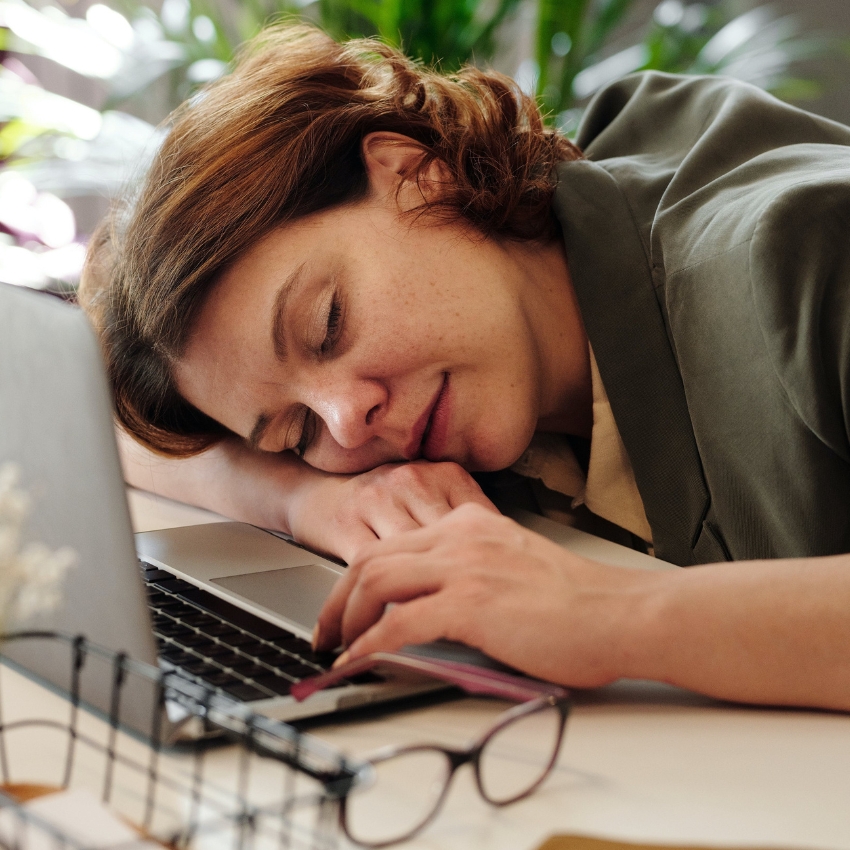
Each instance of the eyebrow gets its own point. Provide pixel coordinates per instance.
(279, 312)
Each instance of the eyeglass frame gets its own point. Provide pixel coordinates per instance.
(534, 696)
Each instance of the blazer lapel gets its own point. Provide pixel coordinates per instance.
(613, 282)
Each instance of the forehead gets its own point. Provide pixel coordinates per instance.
(315, 239)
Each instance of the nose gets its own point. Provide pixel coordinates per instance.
(351, 410)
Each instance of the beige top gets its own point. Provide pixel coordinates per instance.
(609, 489)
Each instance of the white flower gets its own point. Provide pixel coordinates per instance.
(30, 577)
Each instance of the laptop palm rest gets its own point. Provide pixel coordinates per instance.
(255, 570)
(296, 593)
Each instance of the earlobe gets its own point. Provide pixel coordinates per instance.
(392, 159)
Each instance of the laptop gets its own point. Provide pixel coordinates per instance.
(226, 604)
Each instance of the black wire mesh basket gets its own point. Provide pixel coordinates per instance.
(270, 786)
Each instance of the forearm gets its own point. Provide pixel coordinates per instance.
(229, 478)
(329, 513)
(769, 632)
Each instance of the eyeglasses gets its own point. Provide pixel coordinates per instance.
(408, 784)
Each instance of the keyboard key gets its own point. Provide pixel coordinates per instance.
(219, 679)
(171, 606)
(253, 671)
(194, 640)
(279, 663)
(177, 656)
(234, 660)
(156, 597)
(299, 671)
(175, 585)
(239, 639)
(198, 667)
(244, 692)
(220, 629)
(275, 683)
(321, 659)
(199, 620)
(254, 648)
(154, 574)
(213, 650)
(232, 613)
(293, 644)
(173, 630)
(297, 646)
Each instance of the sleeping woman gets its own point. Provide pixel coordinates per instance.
(360, 302)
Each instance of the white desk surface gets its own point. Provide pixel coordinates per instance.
(640, 762)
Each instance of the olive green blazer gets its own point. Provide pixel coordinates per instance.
(708, 237)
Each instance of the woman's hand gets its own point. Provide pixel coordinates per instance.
(480, 578)
(342, 513)
(769, 632)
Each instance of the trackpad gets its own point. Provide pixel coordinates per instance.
(296, 593)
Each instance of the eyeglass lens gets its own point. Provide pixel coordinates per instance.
(408, 786)
(517, 756)
(406, 790)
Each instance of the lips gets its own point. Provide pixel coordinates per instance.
(424, 427)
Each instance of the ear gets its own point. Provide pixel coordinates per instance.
(392, 161)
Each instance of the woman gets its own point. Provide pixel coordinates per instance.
(343, 288)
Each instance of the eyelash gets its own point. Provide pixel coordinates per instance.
(333, 324)
(307, 429)
(332, 333)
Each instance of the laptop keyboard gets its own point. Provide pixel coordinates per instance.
(220, 644)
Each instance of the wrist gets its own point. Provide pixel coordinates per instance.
(262, 488)
(303, 499)
(645, 624)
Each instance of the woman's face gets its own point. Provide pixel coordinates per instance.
(357, 337)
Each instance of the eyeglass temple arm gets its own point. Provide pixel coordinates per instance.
(474, 680)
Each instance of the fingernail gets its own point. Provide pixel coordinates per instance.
(314, 640)
(343, 659)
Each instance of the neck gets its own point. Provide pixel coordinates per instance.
(566, 397)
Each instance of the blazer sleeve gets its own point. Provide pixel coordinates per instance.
(800, 278)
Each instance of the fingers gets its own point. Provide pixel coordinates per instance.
(419, 562)
(457, 526)
(468, 490)
(384, 581)
(359, 598)
(391, 522)
(427, 491)
(421, 620)
(348, 543)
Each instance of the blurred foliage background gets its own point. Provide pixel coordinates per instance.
(134, 62)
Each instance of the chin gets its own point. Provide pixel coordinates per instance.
(497, 454)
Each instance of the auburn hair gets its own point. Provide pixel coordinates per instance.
(273, 141)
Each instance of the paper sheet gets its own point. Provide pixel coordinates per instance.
(78, 815)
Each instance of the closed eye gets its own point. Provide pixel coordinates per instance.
(308, 431)
(333, 331)
(334, 324)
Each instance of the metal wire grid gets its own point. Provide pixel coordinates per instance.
(282, 792)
